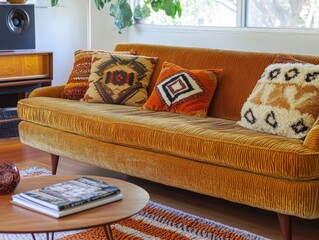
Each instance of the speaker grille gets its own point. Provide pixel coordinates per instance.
(18, 20)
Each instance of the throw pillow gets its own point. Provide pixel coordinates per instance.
(119, 79)
(285, 101)
(283, 58)
(78, 80)
(183, 90)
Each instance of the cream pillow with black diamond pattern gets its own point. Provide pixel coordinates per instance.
(285, 101)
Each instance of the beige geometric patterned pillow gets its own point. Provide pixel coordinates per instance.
(78, 79)
(119, 79)
(285, 101)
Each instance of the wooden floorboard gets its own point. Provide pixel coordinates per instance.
(247, 218)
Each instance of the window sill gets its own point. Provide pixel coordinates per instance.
(189, 29)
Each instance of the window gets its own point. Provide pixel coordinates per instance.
(244, 13)
(200, 13)
(283, 13)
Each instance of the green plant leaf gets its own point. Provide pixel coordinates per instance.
(100, 3)
(142, 12)
(54, 2)
(179, 8)
(169, 7)
(156, 5)
(122, 13)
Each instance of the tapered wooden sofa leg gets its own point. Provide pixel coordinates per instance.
(54, 163)
(285, 226)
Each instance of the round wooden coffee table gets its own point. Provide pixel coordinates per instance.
(15, 219)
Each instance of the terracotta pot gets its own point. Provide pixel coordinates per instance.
(9, 177)
(17, 1)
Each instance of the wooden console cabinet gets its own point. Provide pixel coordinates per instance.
(21, 72)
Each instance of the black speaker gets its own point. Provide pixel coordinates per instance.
(17, 26)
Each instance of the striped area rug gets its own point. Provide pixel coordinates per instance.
(154, 222)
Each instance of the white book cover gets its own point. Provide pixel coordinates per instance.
(25, 203)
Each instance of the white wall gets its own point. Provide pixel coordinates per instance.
(300, 42)
(104, 33)
(62, 30)
(73, 25)
(76, 26)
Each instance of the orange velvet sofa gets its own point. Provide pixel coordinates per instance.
(211, 155)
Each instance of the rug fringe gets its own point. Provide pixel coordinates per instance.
(34, 171)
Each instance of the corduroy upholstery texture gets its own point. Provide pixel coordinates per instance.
(211, 155)
(298, 198)
(208, 140)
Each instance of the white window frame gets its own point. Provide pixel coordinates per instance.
(241, 13)
(241, 24)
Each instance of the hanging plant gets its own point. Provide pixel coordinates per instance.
(123, 13)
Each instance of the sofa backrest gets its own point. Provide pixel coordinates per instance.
(241, 71)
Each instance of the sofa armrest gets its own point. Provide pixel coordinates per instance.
(52, 91)
(312, 138)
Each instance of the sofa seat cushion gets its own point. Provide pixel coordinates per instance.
(210, 140)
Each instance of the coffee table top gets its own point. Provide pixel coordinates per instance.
(15, 219)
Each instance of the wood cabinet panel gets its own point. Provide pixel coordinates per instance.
(25, 66)
(21, 72)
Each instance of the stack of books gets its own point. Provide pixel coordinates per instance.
(65, 198)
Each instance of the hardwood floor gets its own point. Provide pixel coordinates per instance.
(247, 218)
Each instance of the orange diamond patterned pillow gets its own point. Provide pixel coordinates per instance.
(183, 90)
(79, 77)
